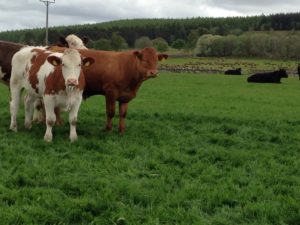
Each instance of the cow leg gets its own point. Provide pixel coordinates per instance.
(29, 107)
(15, 90)
(38, 111)
(110, 111)
(59, 120)
(50, 117)
(122, 114)
(73, 119)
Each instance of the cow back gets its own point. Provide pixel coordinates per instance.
(7, 50)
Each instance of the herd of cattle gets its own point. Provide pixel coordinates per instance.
(270, 77)
(58, 77)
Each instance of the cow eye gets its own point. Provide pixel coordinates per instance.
(63, 64)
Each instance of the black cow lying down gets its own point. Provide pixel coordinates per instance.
(272, 77)
(298, 69)
(237, 71)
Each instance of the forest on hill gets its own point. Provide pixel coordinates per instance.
(178, 34)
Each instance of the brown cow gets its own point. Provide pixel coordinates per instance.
(7, 50)
(118, 76)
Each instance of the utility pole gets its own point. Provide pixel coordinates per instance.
(47, 3)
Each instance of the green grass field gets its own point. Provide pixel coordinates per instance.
(198, 149)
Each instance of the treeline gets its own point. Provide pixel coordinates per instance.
(176, 33)
(255, 44)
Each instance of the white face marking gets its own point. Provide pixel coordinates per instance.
(75, 42)
(71, 64)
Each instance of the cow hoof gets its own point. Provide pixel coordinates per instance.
(107, 129)
(73, 138)
(48, 138)
(28, 125)
(13, 128)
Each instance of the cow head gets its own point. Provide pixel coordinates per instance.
(148, 59)
(71, 64)
(283, 73)
(72, 41)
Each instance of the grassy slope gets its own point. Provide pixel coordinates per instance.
(206, 149)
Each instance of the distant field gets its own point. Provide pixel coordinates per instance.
(219, 65)
(209, 149)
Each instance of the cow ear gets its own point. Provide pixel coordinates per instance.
(54, 60)
(85, 40)
(162, 56)
(88, 61)
(138, 54)
(63, 41)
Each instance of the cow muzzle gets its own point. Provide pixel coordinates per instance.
(152, 73)
(72, 82)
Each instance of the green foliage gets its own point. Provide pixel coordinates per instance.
(205, 44)
(102, 44)
(160, 44)
(192, 39)
(168, 29)
(199, 149)
(117, 42)
(257, 44)
(178, 44)
(143, 42)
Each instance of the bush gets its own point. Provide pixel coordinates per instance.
(102, 44)
(143, 42)
(160, 44)
(204, 45)
(178, 44)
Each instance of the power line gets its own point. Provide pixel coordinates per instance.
(47, 3)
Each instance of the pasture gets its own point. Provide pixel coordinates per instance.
(198, 149)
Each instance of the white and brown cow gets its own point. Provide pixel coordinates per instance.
(57, 78)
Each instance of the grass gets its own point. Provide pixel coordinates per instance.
(198, 149)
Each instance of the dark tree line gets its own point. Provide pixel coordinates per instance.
(171, 30)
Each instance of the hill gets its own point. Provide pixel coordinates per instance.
(168, 29)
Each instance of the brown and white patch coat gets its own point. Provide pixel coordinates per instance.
(57, 78)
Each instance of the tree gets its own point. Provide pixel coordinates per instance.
(178, 44)
(117, 41)
(28, 38)
(102, 44)
(160, 44)
(192, 39)
(204, 45)
(143, 42)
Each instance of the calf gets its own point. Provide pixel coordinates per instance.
(272, 77)
(118, 76)
(55, 77)
(237, 71)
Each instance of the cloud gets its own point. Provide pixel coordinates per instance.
(20, 14)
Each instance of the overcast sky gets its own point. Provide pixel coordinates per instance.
(21, 14)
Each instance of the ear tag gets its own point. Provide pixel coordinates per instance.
(54, 63)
